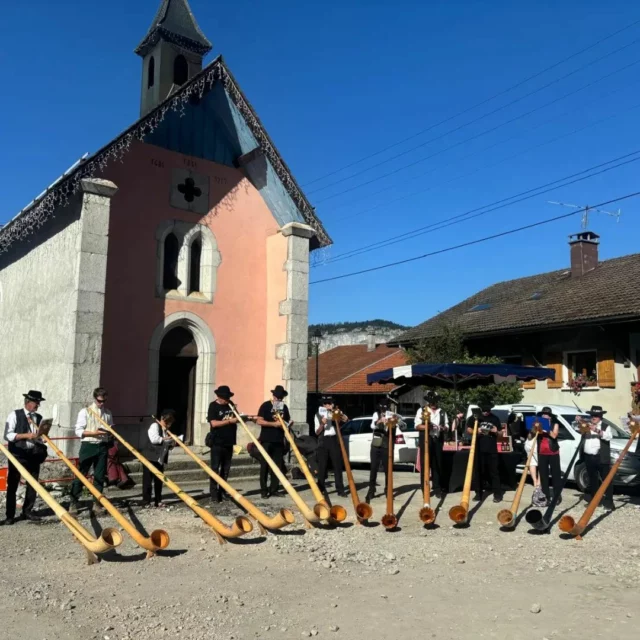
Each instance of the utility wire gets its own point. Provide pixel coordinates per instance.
(475, 106)
(478, 135)
(474, 242)
(493, 206)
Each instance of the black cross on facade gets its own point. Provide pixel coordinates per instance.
(189, 190)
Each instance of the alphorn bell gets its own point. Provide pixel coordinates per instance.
(109, 537)
(337, 513)
(363, 510)
(507, 517)
(427, 515)
(158, 539)
(460, 512)
(389, 519)
(567, 523)
(284, 516)
(241, 524)
(309, 515)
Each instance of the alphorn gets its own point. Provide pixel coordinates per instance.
(158, 539)
(109, 537)
(389, 519)
(363, 510)
(535, 517)
(427, 515)
(241, 525)
(460, 512)
(337, 513)
(567, 523)
(507, 517)
(308, 515)
(282, 519)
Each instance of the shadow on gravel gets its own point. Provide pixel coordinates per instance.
(403, 508)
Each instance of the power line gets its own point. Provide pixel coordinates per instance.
(492, 206)
(470, 243)
(475, 106)
(478, 135)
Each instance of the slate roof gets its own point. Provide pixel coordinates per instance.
(548, 300)
(344, 369)
(176, 23)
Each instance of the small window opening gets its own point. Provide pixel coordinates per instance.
(194, 266)
(180, 70)
(152, 73)
(170, 275)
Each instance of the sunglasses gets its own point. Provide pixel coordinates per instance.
(101, 400)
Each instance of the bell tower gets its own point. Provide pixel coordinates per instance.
(172, 52)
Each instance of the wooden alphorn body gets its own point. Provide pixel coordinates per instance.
(460, 513)
(309, 515)
(567, 523)
(108, 539)
(389, 519)
(241, 524)
(427, 515)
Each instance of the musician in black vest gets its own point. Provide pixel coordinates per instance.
(221, 439)
(272, 437)
(486, 456)
(20, 432)
(328, 447)
(436, 420)
(549, 456)
(597, 455)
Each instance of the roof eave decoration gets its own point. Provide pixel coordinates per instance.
(35, 215)
(152, 39)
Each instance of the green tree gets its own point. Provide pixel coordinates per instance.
(449, 346)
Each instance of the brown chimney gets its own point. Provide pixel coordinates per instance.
(584, 252)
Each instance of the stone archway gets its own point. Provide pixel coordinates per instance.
(205, 367)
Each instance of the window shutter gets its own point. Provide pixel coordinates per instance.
(527, 361)
(606, 370)
(554, 361)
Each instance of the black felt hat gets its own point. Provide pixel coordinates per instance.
(596, 411)
(224, 392)
(34, 396)
(279, 392)
(327, 400)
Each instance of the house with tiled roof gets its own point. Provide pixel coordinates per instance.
(584, 321)
(342, 373)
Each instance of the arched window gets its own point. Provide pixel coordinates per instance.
(194, 265)
(151, 73)
(171, 252)
(180, 70)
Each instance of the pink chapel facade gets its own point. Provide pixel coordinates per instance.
(173, 260)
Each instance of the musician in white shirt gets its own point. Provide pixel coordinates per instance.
(328, 446)
(597, 455)
(160, 445)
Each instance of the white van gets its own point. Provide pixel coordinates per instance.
(569, 438)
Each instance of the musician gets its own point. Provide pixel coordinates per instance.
(20, 432)
(549, 455)
(539, 499)
(328, 446)
(597, 455)
(223, 427)
(94, 448)
(272, 437)
(434, 419)
(486, 459)
(161, 444)
(380, 445)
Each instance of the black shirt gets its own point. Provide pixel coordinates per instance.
(487, 441)
(272, 434)
(222, 435)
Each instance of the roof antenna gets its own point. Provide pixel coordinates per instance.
(585, 212)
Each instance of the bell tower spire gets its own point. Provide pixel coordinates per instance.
(172, 52)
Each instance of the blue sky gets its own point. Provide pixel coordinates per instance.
(336, 81)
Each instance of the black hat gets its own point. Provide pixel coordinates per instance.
(431, 396)
(327, 400)
(279, 392)
(546, 411)
(34, 396)
(485, 405)
(596, 411)
(224, 392)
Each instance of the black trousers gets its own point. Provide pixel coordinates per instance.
(549, 465)
(147, 480)
(597, 472)
(276, 451)
(221, 455)
(435, 463)
(92, 454)
(378, 455)
(13, 480)
(329, 449)
(486, 471)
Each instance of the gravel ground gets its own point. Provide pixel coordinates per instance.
(350, 582)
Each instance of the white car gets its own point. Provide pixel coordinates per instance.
(569, 438)
(357, 435)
